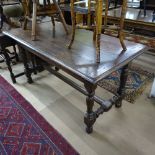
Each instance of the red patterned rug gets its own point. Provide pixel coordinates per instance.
(23, 130)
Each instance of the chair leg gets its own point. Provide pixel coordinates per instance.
(120, 33)
(34, 19)
(61, 16)
(26, 10)
(16, 55)
(33, 63)
(53, 22)
(98, 48)
(27, 70)
(121, 38)
(73, 16)
(89, 13)
(99, 9)
(144, 8)
(25, 23)
(116, 2)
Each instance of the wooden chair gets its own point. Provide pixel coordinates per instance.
(34, 8)
(6, 55)
(114, 1)
(95, 10)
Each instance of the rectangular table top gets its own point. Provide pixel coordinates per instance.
(80, 60)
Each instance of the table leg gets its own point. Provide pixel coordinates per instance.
(26, 65)
(121, 89)
(15, 52)
(90, 116)
(8, 63)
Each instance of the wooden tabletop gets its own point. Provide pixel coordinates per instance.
(79, 61)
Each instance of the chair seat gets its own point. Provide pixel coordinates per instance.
(13, 10)
(51, 9)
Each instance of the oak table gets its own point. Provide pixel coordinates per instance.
(79, 62)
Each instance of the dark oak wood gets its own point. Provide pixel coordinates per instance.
(27, 69)
(7, 56)
(121, 89)
(80, 62)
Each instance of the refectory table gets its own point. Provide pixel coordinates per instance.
(79, 62)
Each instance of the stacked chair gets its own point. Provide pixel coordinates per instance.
(94, 21)
(36, 8)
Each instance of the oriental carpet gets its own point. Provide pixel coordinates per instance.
(23, 131)
(135, 85)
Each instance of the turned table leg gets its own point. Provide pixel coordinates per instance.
(121, 89)
(90, 116)
(26, 65)
(8, 63)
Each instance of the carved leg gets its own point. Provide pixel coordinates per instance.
(98, 48)
(94, 29)
(63, 22)
(56, 69)
(7, 58)
(121, 89)
(99, 9)
(73, 16)
(89, 13)
(90, 116)
(16, 55)
(53, 22)
(25, 23)
(33, 64)
(121, 38)
(25, 6)
(107, 4)
(26, 66)
(144, 8)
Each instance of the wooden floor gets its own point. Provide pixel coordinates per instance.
(133, 14)
(126, 131)
(146, 61)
